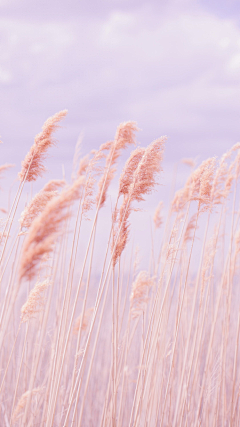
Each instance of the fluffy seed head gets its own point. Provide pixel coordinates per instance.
(54, 185)
(84, 322)
(32, 165)
(19, 409)
(144, 178)
(123, 226)
(198, 186)
(82, 167)
(5, 167)
(188, 236)
(76, 156)
(45, 229)
(35, 207)
(140, 292)
(35, 301)
(130, 167)
(158, 221)
(189, 162)
(125, 136)
(143, 168)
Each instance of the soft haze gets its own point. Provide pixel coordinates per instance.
(173, 66)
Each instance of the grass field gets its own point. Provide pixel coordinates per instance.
(125, 347)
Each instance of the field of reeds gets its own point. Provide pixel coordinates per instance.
(122, 346)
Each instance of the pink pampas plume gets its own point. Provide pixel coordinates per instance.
(125, 181)
(45, 229)
(198, 186)
(76, 156)
(147, 170)
(35, 207)
(206, 182)
(54, 185)
(39, 202)
(139, 295)
(189, 162)
(129, 169)
(92, 171)
(125, 136)
(188, 235)
(144, 175)
(83, 165)
(224, 177)
(32, 165)
(85, 321)
(123, 225)
(35, 301)
(158, 221)
(19, 409)
(6, 167)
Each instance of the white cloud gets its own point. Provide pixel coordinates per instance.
(5, 76)
(175, 71)
(234, 63)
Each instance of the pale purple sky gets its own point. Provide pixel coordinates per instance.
(173, 66)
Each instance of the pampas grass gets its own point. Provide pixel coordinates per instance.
(89, 335)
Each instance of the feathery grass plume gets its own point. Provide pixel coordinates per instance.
(147, 170)
(125, 136)
(237, 165)
(83, 165)
(237, 242)
(5, 167)
(35, 207)
(228, 184)
(201, 177)
(127, 174)
(2, 228)
(189, 162)
(223, 178)
(39, 201)
(54, 185)
(123, 222)
(76, 156)
(172, 246)
(35, 301)
(88, 201)
(125, 181)
(45, 229)
(92, 171)
(20, 407)
(181, 198)
(158, 220)
(188, 236)
(206, 181)
(144, 168)
(1, 236)
(140, 291)
(32, 165)
(85, 322)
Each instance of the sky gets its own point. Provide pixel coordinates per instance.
(171, 66)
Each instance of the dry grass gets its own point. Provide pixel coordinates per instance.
(125, 347)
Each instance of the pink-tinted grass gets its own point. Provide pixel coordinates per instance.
(89, 336)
